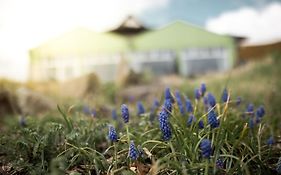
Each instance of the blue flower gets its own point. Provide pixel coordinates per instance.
(133, 152)
(140, 108)
(22, 121)
(250, 108)
(203, 89)
(219, 163)
(86, 110)
(153, 109)
(179, 102)
(278, 166)
(206, 148)
(224, 96)
(156, 103)
(270, 141)
(125, 113)
(114, 114)
(201, 124)
(164, 120)
(112, 135)
(168, 95)
(93, 113)
(197, 94)
(211, 100)
(190, 120)
(238, 101)
(154, 106)
(205, 101)
(141, 151)
(164, 125)
(212, 119)
(260, 112)
(168, 106)
(189, 107)
(258, 120)
(251, 123)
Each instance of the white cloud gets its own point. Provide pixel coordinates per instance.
(25, 24)
(259, 25)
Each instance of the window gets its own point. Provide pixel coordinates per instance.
(52, 73)
(68, 72)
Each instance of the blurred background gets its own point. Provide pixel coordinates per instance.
(97, 54)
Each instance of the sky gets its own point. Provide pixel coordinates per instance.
(26, 24)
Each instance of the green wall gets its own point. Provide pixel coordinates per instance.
(180, 35)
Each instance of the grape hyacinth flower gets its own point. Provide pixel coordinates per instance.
(179, 102)
(164, 125)
(203, 89)
(156, 103)
(114, 114)
(125, 113)
(168, 95)
(141, 151)
(219, 164)
(224, 95)
(140, 108)
(190, 120)
(212, 119)
(205, 101)
(211, 100)
(260, 112)
(206, 148)
(189, 107)
(270, 141)
(112, 135)
(154, 107)
(238, 101)
(22, 121)
(197, 94)
(250, 109)
(164, 120)
(93, 113)
(86, 110)
(133, 152)
(251, 123)
(164, 117)
(201, 124)
(168, 106)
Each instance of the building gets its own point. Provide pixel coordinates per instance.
(178, 47)
(249, 52)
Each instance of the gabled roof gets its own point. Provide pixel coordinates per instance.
(81, 41)
(130, 26)
(179, 35)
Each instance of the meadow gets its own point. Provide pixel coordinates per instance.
(229, 124)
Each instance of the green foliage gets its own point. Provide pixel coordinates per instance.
(79, 144)
(68, 142)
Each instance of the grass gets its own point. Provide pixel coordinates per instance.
(71, 142)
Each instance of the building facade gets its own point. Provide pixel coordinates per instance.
(176, 48)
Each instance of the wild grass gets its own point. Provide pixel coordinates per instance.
(70, 141)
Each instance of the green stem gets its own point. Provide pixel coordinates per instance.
(115, 156)
(173, 151)
(128, 137)
(128, 133)
(206, 167)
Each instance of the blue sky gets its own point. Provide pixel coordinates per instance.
(197, 11)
